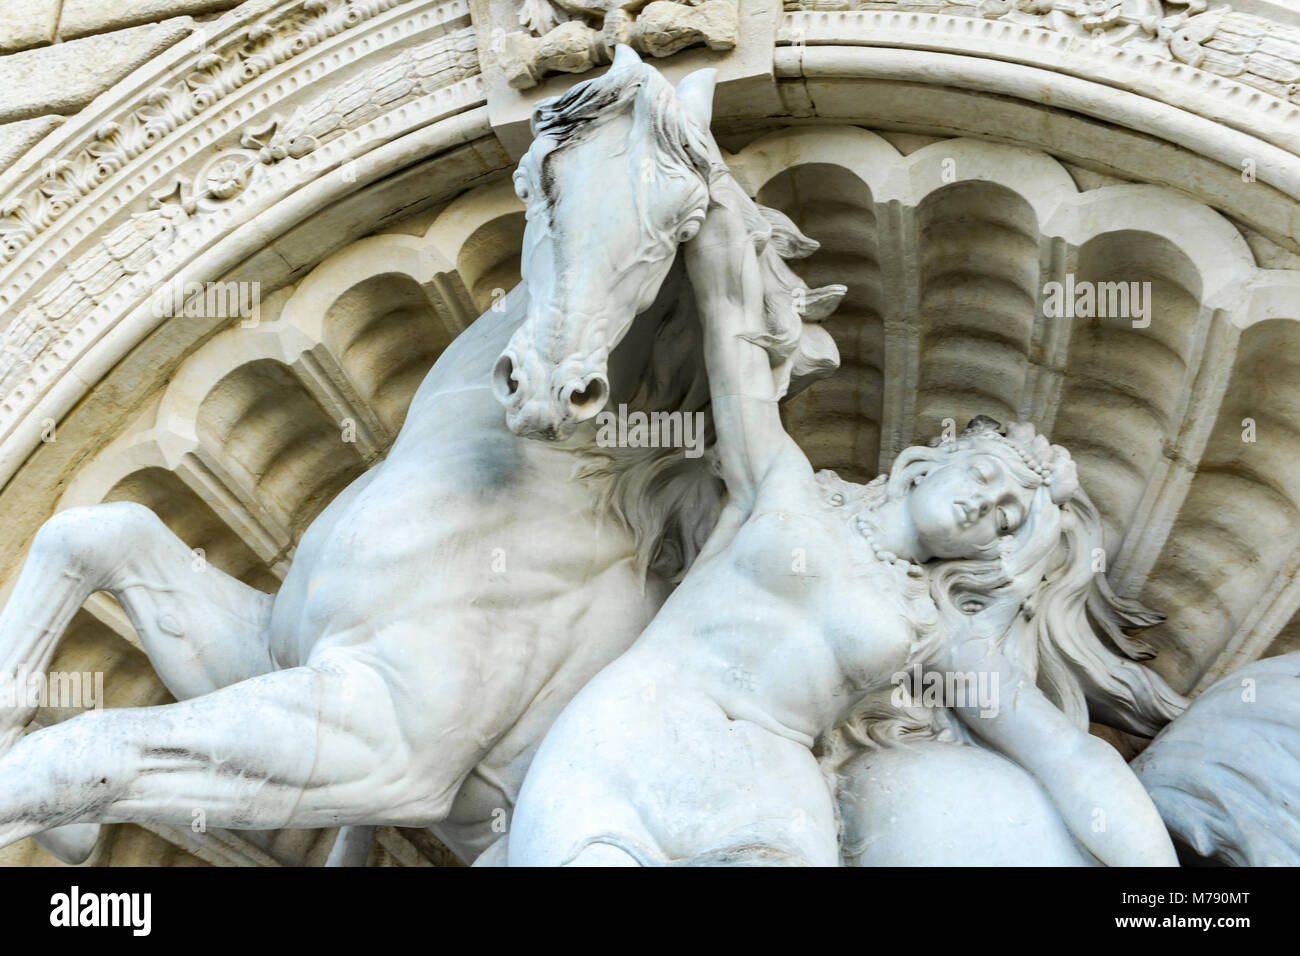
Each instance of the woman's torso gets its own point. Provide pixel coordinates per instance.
(794, 621)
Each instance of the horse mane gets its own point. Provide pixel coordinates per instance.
(565, 117)
(677, 144)
(671, 502)
(668, 501)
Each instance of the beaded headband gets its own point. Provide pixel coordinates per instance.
(1049, 462)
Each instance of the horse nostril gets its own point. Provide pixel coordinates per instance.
(504, 383)
(589, 399)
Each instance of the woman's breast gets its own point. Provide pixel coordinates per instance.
(869, 614)
(822, 616)
(868, 628)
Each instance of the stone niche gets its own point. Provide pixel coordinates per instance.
(353, 158)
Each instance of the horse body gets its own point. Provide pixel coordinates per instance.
(523, 584)
(437, 616)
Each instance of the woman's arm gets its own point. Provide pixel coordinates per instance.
(724, 271)
(1100, 798)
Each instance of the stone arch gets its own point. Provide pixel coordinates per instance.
(1125, 156)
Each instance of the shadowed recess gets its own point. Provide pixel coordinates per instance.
(978, 249)
(837, 420)
(386, 336)
(262, 418)
(1239, 524)
(1125, 386)
(488, 261)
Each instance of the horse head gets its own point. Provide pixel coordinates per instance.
(617, 177)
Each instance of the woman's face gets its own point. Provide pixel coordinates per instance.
(962, 507)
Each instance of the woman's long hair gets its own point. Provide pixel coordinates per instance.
(1068, 631)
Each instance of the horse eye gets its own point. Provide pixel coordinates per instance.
(688, 230)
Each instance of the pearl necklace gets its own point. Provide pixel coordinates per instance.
(868, 531)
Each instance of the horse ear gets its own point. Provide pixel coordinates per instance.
(538, 108)
(695, 93)
(625, 57)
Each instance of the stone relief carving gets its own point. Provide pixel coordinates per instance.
(414, 71)
(1220, 40)
(357, 694)
(217, 73)
(1248, 48)
(564, 36)
(156, 218)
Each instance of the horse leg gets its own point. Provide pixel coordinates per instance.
(321, 745)
(125, 549)
(200, 628)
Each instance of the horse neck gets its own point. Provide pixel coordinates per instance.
(460, 380)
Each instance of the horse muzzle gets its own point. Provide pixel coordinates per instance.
(552, 412)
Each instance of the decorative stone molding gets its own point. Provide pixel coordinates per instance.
(1224, 100)
(431, 66)
(1251, 49)
(420, 83)
(567, 37)
(273, 170)
(67, 179)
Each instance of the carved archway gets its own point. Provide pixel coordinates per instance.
(949, 169)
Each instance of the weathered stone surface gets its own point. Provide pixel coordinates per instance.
(520, 69)
(67, 76)
(27, 23)
(18, 137)
(84, 17)
(994, 172)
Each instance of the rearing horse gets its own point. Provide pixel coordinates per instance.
(444, 608)
(437, 615)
